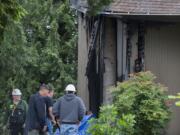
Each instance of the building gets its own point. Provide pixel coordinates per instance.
(126, 37)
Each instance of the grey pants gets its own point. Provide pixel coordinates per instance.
(36, 132)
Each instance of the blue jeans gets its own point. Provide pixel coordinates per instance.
(49, 126)
(69, 129)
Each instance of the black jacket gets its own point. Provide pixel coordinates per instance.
(36, 118)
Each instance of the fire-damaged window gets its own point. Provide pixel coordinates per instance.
(139, 62)
(130, 56)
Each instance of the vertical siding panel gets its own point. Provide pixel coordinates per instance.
(82, 60)
(162, 54)
(109, 59)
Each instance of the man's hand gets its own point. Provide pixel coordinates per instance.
(23, 126)
(44, 129)
(54, 122)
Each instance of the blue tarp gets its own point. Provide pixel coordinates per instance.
(83, 127)
(57, 132)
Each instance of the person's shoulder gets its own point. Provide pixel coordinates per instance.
(47, 98)
(34, 96)
(24, 102)
(60, 99)
(37, 97)
(78, 98)
(21, 104)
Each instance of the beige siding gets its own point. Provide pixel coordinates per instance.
(162, 57)
(82, 61)
(109, 59)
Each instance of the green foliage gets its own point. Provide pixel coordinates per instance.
(10, 10)
(97, 5)
(145, 99)
(138, 108)
(110, 123)
(38, 48)
(177, 103)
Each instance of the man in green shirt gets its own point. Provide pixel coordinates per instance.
(18, 111)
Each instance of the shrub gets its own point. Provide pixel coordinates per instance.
(138, 108)
(109, 123)
(142, 97)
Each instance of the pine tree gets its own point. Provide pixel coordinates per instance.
(39, 48)
(95, 6)
(10, 10)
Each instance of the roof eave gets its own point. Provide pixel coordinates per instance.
(84, 10)
(137, 14)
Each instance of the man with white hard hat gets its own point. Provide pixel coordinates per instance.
(17, 113)
(70, 109)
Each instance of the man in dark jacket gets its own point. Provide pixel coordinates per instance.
(36, 119)
(70, 109)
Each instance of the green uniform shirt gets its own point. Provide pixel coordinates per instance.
(21, 105)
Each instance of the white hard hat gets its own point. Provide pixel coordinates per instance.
(16, 92)
(70, 87)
